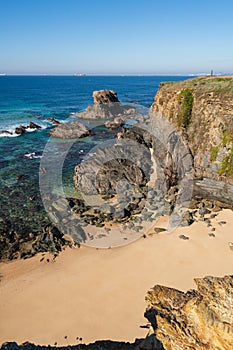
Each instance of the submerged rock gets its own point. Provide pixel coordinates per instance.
(54, 121)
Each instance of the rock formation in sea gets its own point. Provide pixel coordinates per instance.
(105, 96)
(195, 109)
(106, 106)
(200, 111)
(190, 134)
(54, 121)
(71, 130)
(20, 130)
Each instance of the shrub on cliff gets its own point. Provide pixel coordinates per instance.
(185, 100)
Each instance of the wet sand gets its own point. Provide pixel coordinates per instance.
(99, 294)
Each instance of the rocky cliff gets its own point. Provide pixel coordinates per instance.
(197, 320)
(202, 110)
(189, 136)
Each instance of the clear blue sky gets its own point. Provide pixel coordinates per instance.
(115, 37)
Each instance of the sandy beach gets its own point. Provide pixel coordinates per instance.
(99, 294)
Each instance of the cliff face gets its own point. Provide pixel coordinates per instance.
(197, 320)
(202, 109)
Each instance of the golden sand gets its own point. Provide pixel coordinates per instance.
(99, 294)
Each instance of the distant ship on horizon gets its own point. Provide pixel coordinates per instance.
(79, 75)
(3, 74)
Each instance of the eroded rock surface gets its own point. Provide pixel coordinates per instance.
(71, 130)
(202, 110)
(106, 106)
(105, 96)
(196, 320)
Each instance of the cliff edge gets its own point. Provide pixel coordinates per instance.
(196, 320)
(202, 110)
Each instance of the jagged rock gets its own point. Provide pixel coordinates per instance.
(54, 121)
(187, 219)
(116, 123)
(105, 96)
(15, 245)
(130, 158)
(33, 126)
(114, 163)
(196, 320)
(71, 130)
(20, 130)
(106, 106)
(118, 169)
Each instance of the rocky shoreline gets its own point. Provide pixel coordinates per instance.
(193, 182)
(20, 130)
(119, 175)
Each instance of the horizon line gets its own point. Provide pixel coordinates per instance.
(114, 74)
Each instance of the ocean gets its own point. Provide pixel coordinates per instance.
(25, 99)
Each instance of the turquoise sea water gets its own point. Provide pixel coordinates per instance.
(36, 98)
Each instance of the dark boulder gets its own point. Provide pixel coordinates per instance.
(6, 132)
(54, 121)
(20, 130)
(33, 126)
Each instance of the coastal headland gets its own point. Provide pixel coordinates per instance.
(89, 293)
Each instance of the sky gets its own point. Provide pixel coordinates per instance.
(116, 37)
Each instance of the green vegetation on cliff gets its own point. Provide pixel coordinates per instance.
(202, 84)
(202, 110)
(214, 153)
(227, 163)
(185, 100)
